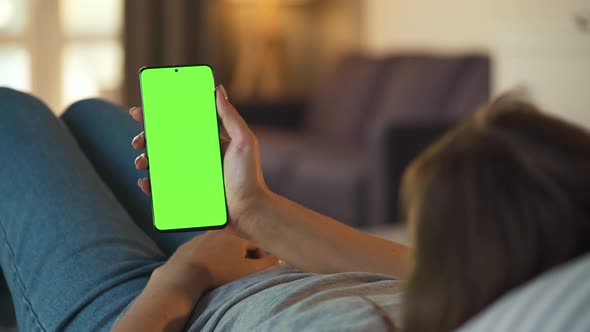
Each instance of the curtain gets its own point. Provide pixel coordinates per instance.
(158, 33)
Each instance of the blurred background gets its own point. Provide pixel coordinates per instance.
(343, 94)
(64, 50)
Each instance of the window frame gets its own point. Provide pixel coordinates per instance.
(44, 38)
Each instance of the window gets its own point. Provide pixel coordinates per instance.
(92, 55)
(62, 50)
(15, 59)
(15, 67)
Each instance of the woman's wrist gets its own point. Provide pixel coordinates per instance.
(189, 280)
(166, 301)
(253, 219)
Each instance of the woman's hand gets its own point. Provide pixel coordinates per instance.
(244, 184)
(205, 262)
(216, 257)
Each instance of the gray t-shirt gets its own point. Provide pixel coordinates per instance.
(283, 298)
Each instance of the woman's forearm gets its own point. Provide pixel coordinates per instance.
(166, 302)
(313, 242)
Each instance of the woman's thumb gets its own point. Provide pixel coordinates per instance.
(232, 121)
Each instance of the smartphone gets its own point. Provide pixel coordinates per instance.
(183, 147)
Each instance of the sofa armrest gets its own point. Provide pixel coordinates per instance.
(281, 114)
(392, 150)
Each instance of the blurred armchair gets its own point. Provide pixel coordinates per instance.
(343, 152)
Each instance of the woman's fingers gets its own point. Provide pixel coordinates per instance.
(138, 141)
(236, 127)
(141, 162)
(144, 184)
(137, 114)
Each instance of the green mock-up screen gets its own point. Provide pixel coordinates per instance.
(183, 148)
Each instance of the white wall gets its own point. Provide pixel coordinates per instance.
(451, 25)
(533, 43)
(454, 25)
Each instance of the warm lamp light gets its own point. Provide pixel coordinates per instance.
(261, 67)
(282, 2)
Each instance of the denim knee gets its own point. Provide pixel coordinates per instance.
(18, 108)
(87, 105)
(9, 95)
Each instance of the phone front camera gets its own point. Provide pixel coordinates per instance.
(176, 70)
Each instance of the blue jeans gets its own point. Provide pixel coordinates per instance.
(76, 236)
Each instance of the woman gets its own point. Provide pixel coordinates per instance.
(496, 202)
(482, 205)
(78, 248)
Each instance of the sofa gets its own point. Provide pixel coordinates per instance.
(343, 152)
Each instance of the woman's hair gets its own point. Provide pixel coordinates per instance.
(497, 201)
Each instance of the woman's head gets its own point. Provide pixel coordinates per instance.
(497, 201)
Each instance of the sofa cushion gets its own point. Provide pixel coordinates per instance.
(326, 177)
(330, 179)
(339, 108)
(414, 89)
(558, 300)
(277, 151)
(471, 89)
